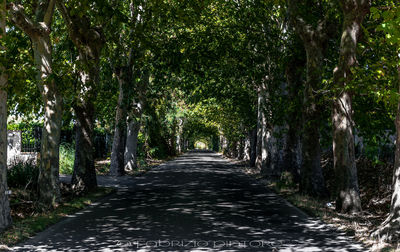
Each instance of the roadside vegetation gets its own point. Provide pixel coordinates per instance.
(303, 91)
(29, 219)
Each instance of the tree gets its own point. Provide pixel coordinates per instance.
(89, 41)
(124, 76)
(128, 69)
(122, 61)
(134, 122)
(39, 32)
(388, 230)
(294, 78)
(312, 31)
(347, 192)
(5, 217)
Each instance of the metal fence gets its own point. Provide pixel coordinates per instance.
(31, 140)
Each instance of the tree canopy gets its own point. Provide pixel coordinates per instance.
(276, 83)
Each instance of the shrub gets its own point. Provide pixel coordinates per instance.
(23, 176)
(67, 158)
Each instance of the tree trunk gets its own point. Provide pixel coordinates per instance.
(89, 42)
(292, 153)
(49, 191)
(84, 175)
(186, 145)
(388, 231)
(313, 36)
(118, 147)
(347, 191)
(260, 131)
(273, 169)
(134, 121)
(247, 148)
(266, 136)
(39, 33)
(179, 137)
(232, 147)
(241, 146)
(253, 147)
(5, 217)
(132, 144)
(215, 143)
(312, 180)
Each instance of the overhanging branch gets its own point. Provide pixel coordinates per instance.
(16, 14)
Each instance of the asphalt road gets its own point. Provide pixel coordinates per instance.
(197, 202)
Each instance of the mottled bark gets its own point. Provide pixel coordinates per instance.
(131, 144)
(276, 140)
(347, 191)
(39, 33)
(260, 130)
(312, 181)
(124, 151)
(134, 121)
(247, 148)
(89, 42)
(50, 142)
(292, 152)
(172, 140)
(179, 136)
(265, 138)
(389, 230)
(84, 174)
(118, 146)
(5, 217)
(313, 36)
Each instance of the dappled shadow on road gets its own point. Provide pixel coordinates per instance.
(197, 202)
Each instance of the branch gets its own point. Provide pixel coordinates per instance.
(79, 29)
(68, 21)
(16, 13)
(295, 18)
(304, 29)
(48, 16)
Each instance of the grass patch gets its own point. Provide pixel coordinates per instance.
(67, 158)
(25, 226)
(290, 191)
(102, 166)
(143, 165)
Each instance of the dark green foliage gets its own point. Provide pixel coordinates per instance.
(67, 157)
(30, 132)
(23, 176)
(158, 140)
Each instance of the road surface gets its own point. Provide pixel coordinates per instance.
(197, 202)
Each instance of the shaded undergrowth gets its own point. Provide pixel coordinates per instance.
(29, 220)
(375, 182)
